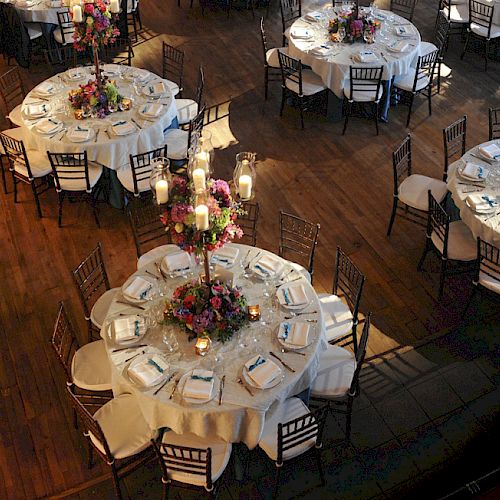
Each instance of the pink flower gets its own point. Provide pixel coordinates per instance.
(216, 302)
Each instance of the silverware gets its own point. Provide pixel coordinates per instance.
(239, 381)
(97, 134)
(107, 133)
(164, 383)
(245, 260)
(489, 162)
(160, 270)
(470, 184)
(289, 351)
(491, 216)
(137, 125)
(130, 304)
(385, 58)
(174, 389)
(221, 388)
(151, 274)
(253, 259)
(290, 281)
(133, 347)
(305, 312)
(288, 367)
(134, 356)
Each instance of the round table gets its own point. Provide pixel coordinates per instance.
(38, 11)
(240, 417)
(487, 227)
(104, 146)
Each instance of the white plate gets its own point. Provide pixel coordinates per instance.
(166, 270)
(488, 210)
(269, 385)
(261, 275)
(138, 359)
(146, 90)
(130, 342)
(81, 139)
(293, 347)
(126, 284)
(465, 178)
(293, 306)
(131, 130)
(197, 401)
(56, 128)
(74, 76)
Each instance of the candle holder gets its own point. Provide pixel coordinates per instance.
(254, 312)
(202, 346)
(160, 179)
(244, 175)
(200, 158)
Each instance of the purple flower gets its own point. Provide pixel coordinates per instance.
(180, 211)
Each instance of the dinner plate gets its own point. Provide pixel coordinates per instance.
(274, 382)
(260, 274)
(466, 178)
(148, 90)
(141, 113)
(127, 342)
(482, 211)
(137, 360)
(178, 272)
(79, 139)
(293, 347)
(36, 115)
(296, 307)
(130, 130)
(129, 281)
(58, 125)
(73, 75)
(486, 158)
(197, 401)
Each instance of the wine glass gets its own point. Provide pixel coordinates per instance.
(341, 34)
(368, 35)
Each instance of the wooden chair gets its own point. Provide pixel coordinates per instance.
(86, 367)
(290, 10)
(494, 123)
(118, 52)
(63, 34)
(481, 29)
(30, 167)
(298, 240)
(134, 15)
(341, 319)
(74, 178)
(454, 140)
(404, 8)
(18, 134)
(248, 222)
(96, 295)
(272, 72)
(301, 86)
(456, 15)
(364, 87)
(292, 431)
(187, 109)
(62, 58)
(192, 462)
(451, 241)
(173, 68)
(417, 81)
(410, 198)
(337, 381)
(116, 430)
(12, 94)
(135, 177)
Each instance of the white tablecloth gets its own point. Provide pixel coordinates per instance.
(334, 68)
(488, 229)
(110, 150)
(241, 417)
(38, 11)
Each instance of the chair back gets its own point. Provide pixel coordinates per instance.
(196, 127)
(263, 39)
(290, 10)
(481, 14)
(118, 52)
(424, 70)
(200, 87)
(360, 356)
(438, 223)
(403, 8)
(66, 26)
(16, 154)
(401, 163)
(441, 33)
(147, 227)
(64, 341)
(248, 222)
(186, 460)
(494, 122)
(70, 167)
(300, 430)
(454, 139)
(298, 240)
(291, 70)
(11, 89)
(173, 64)
(142, 165)
(61, 58)
(365, 80)
(488, 260)
(91, 279)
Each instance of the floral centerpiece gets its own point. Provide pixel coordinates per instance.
(215, 309)
(97, 100)
(354, 25)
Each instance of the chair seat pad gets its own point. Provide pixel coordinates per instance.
(174, 88)
(336, 370)
(413, 191)
(461, 243)
(58, 37)
(90, 368)
(187, 109)
(405, 82)
(124, 427)
(34, 30)
(95, 172)
(311, 83)
(101, 307)
(363, 95)
(15, 116)
(127, 180)
(221, 453)
(272, 57)
(483, 31)
(284, 412)
(489, 282)
(177, 143)
(459, 13)
(16, 133)
(39, 164)
(154, 255)
(426, 48)
(337, 316)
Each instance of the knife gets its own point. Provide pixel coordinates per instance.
(140, 128)
(130, 304)
(489, 162)
(245, 386)
(173, 390)
(133, 347)
(164, 383)
(288, 367)
(221, 388)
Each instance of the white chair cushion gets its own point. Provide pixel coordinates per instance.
(154, 255)
(39, 164)
(413, 191)
(95, 172)
(461, 243)
(272, 57)
(288, 410)
(124, 427)
(34, 30)
(187, 109)
(405, 82)
(101, 307)
(337, 316)
(336, 370)
(58, 37)
(311, 83)
(363, 95)
(459, 13)
(426, 48)
(16, 133)
(177, 143)
(15, 116)
(126, 179)
(221, 452)
(489, 282)
(482, 31)
(90, 368)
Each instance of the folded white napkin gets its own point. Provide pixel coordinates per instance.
(492, 151)
(74, 73)
(128, 328)
(295, 334)
(474, 171)
(320, 51)
(45, 88)
(262, 370)
(148, 370)
(178, 261)
(140, 74)
(293, 295)
(225, 256)
(111, 69)
(138, 288)
(300, 32)
(404, 31)
(79, 133)
(157, 88)
(366, 56)
(198, 388)
(480, 202)
(123, 127)
(47, 125)
(151, 109)
(398, 46)
(36, 109)
(268, 265)
(313, 16)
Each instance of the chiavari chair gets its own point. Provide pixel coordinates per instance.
(134, 15)
(12, 94)
(63, 34)
(271, 60)
(456, 14)
(62, 58)
(248, 222)
(454, 141)
(290, 10)
(494, 123)
(187, 109)
(18, 134)
(403, 8)
(118, 52)
(173, 68)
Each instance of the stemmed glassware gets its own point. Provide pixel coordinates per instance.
(341, 34)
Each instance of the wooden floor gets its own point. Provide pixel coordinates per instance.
(345, 183)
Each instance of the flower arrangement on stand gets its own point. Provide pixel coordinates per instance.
(354, 25)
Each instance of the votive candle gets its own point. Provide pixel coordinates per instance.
(161, 188)
(245, 187)
(77, 14)
(201, 212)
(199, 179)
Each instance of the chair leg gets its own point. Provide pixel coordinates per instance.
(320, 466)
(424, 255)
(439, 76)
(37, 201)
(409, 111)
(348, 112)
(444, 265)
(465, 46)
(283, 98)
(139, 18)
(61, 200)
(469, 302)
(278, 478)
(94, 210)
(393, 216)
(348, 419)
(90, 452)
(116, 482)
(266, 81)
(429, 99)
(3, 175)
(376, 116)
(486, 47)
(14, 182)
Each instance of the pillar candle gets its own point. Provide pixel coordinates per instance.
(77, 14)
(203, 160)
(161, 188)
(201, 213)
(245, 185)
(114, 6)
(199, 179)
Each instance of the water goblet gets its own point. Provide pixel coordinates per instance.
(341, 34)
(170, 340)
